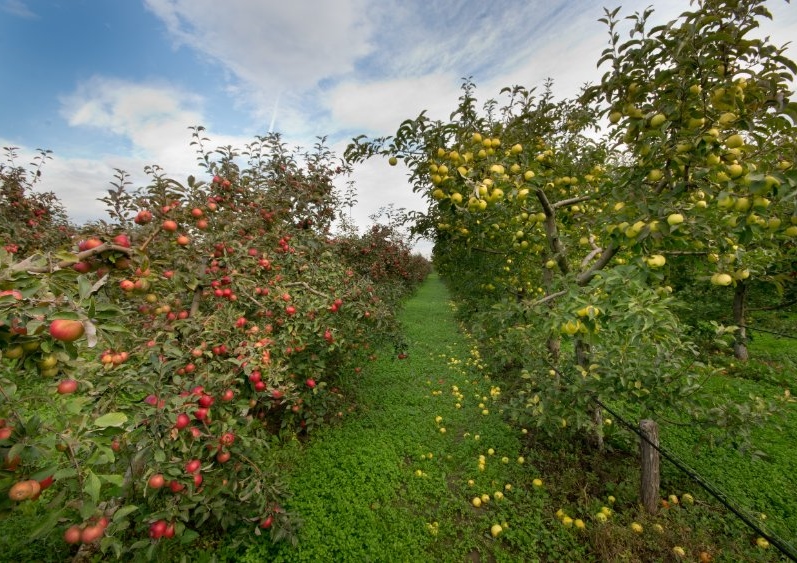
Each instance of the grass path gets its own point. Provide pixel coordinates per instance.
(391, 483)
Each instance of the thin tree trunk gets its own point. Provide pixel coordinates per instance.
(582, 359)
(554, 341)
(739, 314)
(650, 466)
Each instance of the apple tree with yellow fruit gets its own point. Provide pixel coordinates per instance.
(549, 233)
(701, 109)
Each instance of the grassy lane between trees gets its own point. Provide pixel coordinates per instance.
(396, 480)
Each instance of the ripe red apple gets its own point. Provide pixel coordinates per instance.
(169, 531)
(156, 481)
(88, 244)
(72, 534)
(290, 309)
(196, 212)
(198, 480)
(121, 240)
(67, 386)
(169, 225)
(223, 457)
(127, 285)
(5, 433)
(157, 529)
(311, 383)
(81, 267)
(46, 483)
(182, 421)
(143, 217)
(227, 439)
(183, 240)
(193, 466)
(228, 395)
(90, 534)
(267, 523)
(206, 401)
(176, 486)
(66, 330)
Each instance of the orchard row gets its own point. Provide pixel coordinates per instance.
(582, 236)
(150, 361)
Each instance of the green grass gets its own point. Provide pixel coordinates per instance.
(368, 490)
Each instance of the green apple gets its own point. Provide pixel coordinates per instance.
(675, 219)
(721, 279)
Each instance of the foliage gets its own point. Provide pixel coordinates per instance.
(146, 374)
(29, 220)
(559, 236)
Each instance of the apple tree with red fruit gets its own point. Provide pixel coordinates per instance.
(178, 341)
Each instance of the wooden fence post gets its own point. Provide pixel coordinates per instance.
(650, 461)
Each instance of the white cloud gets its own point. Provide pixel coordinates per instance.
(271, 47)
(382, 106)
(154, 118)
(18, 8)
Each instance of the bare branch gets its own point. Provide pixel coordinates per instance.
(571, 201)
(79, 257)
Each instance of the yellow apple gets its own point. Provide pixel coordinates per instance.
(721, 279)
(654, 175)
(734, 141)
(675, 219)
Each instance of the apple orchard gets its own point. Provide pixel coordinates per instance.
(149, 360)
(147, 368)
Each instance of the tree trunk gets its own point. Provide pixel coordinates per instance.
(650, 466)
(554, 342)
(582, 359)
(739, 314)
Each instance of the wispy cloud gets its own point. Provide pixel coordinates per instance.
(17, 8)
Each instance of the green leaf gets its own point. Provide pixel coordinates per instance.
(84, 287)
(92, 486)
(117, 480)
(47, 525)
(111, 419)
(64, 473)
(188, 536)
(115, 328)
(124, 511)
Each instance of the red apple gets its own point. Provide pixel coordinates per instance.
(182, 421)
(66, 330)
(67, 386)
(121, 240)
(157, 529)
(72, 534)
(156, 481)
(90, 534)
(143, 217)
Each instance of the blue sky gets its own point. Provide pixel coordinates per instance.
(115, 84)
